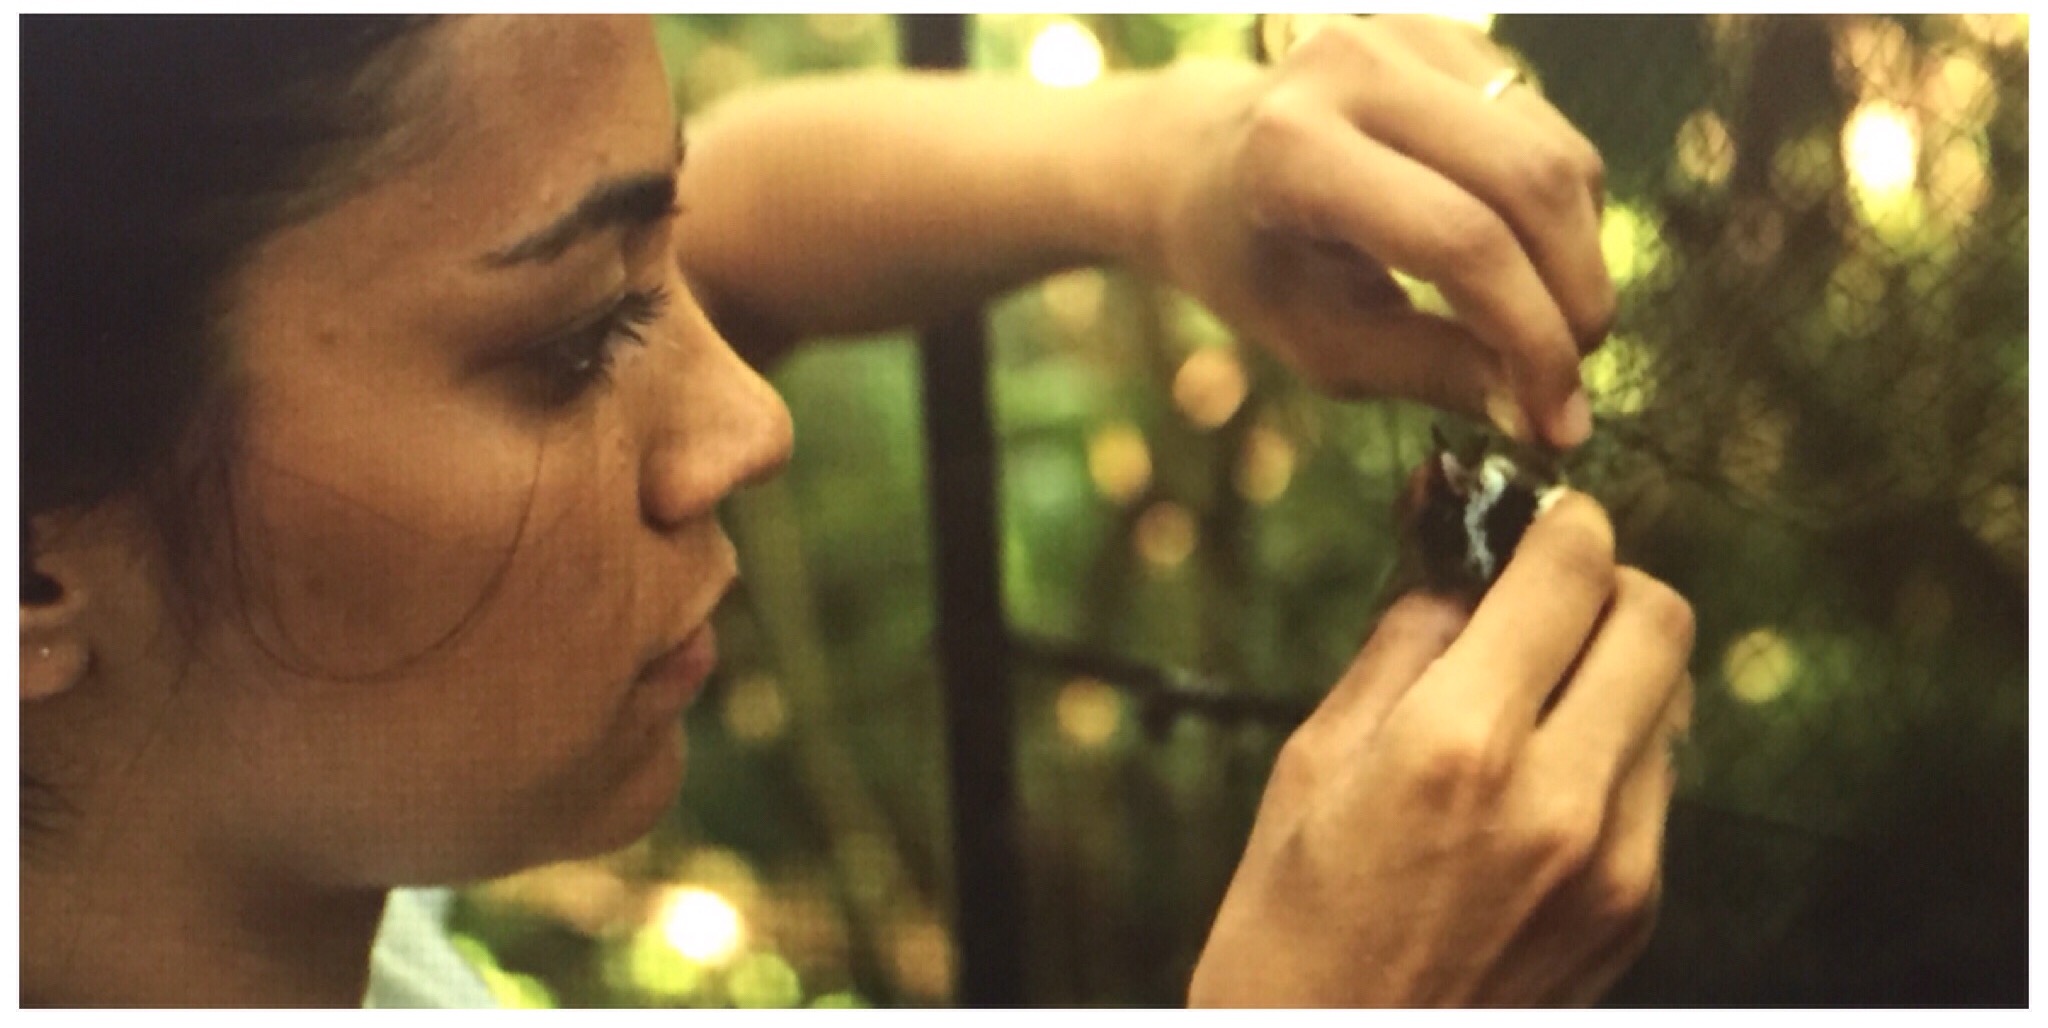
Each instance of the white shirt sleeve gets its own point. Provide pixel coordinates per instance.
(413, 964)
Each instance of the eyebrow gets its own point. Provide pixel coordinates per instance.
(632, 201)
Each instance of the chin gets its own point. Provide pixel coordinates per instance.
(590, 819)
(635, 804)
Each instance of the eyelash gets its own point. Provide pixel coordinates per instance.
(575, 362)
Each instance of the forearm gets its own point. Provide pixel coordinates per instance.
(852, 204)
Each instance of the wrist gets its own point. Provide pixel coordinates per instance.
(1137, 158)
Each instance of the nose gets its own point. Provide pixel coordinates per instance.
(726, 428)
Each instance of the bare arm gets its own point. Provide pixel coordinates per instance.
(1279, 197)
(857, 203)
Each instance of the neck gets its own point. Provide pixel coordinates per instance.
(129, 921)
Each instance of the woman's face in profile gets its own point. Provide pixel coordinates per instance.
(485, 430)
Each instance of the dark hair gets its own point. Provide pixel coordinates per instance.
(156, 152)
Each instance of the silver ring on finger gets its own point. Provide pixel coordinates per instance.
(1501, 82)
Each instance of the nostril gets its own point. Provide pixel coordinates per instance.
(686, 476)
(726, 428)
(778, 441)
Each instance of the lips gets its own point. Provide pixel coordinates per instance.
(677, 676)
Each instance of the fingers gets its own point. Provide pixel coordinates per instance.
(1434, 359)
(1467, 54)
(1617, 895)
(1410, 636)
(1537, 173)
(1532, 103)
(1543, 150)
(1414, 354)
(1508, 232)
(1620, 698)
(1315, 175)
(1591, 929)
(1533, 623)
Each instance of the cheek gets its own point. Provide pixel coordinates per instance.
(488, 725)
(572, 602)
(346, 572)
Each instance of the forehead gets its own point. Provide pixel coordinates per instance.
(537, 108)
(514, 118)
(517, 75)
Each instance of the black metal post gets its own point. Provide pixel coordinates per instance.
(972, 633)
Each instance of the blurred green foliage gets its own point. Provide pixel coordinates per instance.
(1812, 421)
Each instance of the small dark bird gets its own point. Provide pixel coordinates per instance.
(1461, 516)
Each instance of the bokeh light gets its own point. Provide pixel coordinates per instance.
(921, 955)
(1706, 152)
(700, 924)
(1759, 666)
(721, 870)
(1876, 56)
(1630, 243)
(647, 965)
(762, 981)
(1997, 516)
(1881, 147)
(1804, 171)
(841, 1001)
(1165, 535)
(1618, 376)
(2000, 30)
(1266, 466)
(754, 710)
(1074, 299)
(1089, 712)
(1855, 296)
(1960, 177)
(1210, 386)
(1065, 54)
(1119, 462)
(1217, 34)
(1958, 89)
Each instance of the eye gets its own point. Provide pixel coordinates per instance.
(569, 364)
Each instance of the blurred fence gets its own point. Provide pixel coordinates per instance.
(1811, 420)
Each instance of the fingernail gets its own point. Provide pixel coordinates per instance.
(1575, 424)
(1506, 415)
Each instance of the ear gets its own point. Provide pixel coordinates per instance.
(54, 650)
